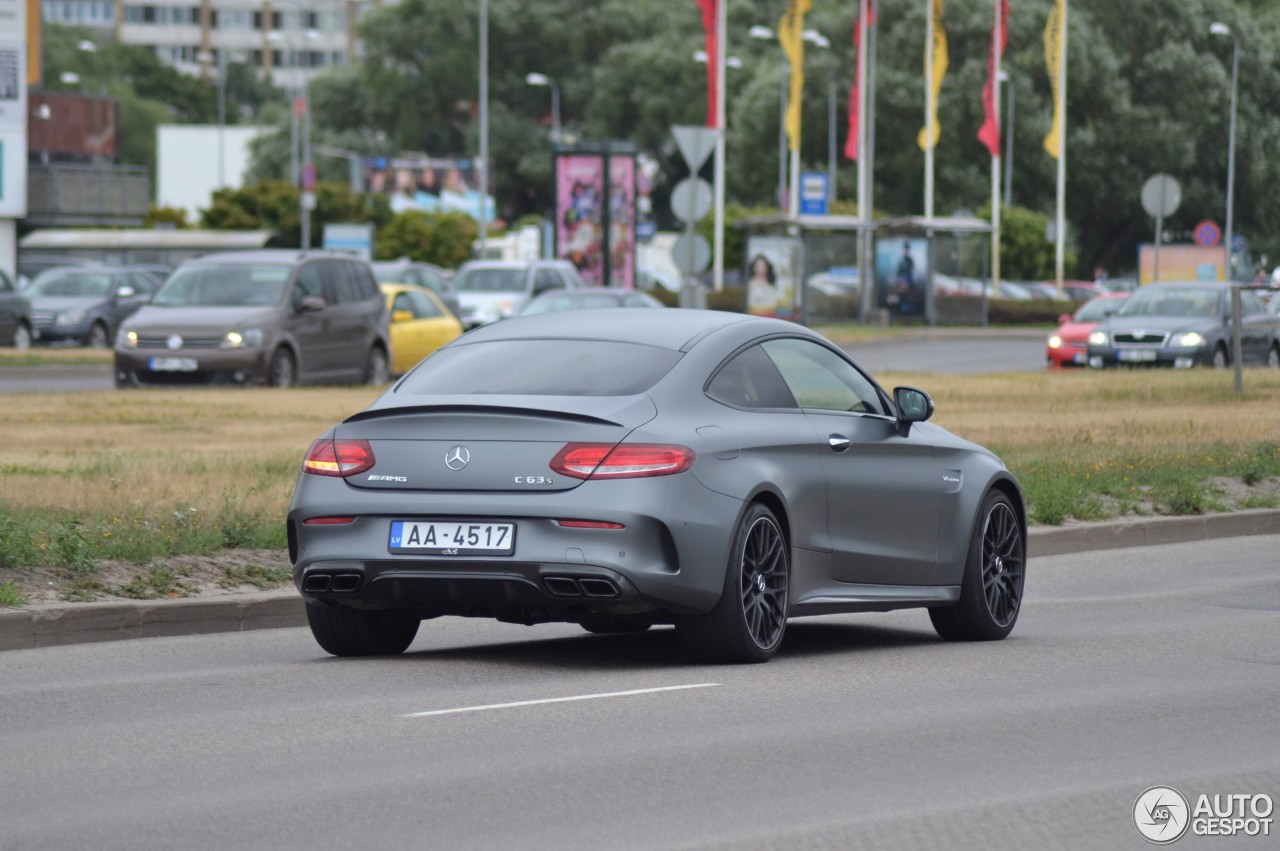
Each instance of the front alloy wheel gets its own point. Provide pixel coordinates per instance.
(991, 590)
(748, 622)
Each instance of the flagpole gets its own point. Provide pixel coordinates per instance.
(997, 43)
(864, 173)
(721, 51)
(928, 113)
(1061, 229)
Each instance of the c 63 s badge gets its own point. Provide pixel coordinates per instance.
(534, 480)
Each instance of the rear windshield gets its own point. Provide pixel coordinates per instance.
(232, 285)
(490, 281)
(541, 368)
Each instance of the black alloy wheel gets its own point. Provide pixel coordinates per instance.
(97, 336)
(748, 622)
(991, 590)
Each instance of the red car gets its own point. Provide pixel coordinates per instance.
(1068, 345)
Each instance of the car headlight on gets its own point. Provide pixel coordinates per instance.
(1098, 338)
(127, 339)
(1055, 342)
(242, 339)
(71, 317)
(1187, 339)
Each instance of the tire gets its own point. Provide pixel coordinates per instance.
(22, 336)
(1220, 359)
(611, 626)
(126, 379)
(282, 370)
(376, 370)
(749, 621)
(1273, 356)
(97, 338)
(991, 590)
(342, 631)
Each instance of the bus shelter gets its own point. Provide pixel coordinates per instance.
(929, 271)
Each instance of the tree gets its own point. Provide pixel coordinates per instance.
(273, 205)
(441, 238)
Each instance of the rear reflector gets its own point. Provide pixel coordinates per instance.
(328, 521)
(589, 524)
(338, 458)
(623, 461)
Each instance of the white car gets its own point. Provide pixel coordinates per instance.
(489, 290)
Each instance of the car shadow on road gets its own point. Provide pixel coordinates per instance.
(660, 648)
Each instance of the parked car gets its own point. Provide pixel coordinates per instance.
(489, 290)
(15, 315)
(717, 472)
(1068, 346)
(1071, 290)
(591, 298)
(84, 305)
(1182, 324)
(420, 324)
(278, 317)
(406, 271)
(31, 264)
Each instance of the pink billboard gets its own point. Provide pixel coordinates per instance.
(622, 221)
(580, 213)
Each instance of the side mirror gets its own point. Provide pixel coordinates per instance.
(125, 291)
(914, 406)
(402, 316)
(1064, 318)
(312, 303)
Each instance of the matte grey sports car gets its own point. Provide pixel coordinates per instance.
(620, 469)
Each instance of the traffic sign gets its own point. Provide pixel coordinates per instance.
(813, 193)
(695, 144)
(308, 177)
(691, 199)
(1161, 195)
(691, 253)
(1207, 233)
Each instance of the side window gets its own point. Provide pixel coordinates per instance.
(403, 302)
(308, 283)
(366, 285)
(1251, 305)
(546, 279)
(750, 380)
(821, 379)
(341, 287)
(432, 281)
(423, 307)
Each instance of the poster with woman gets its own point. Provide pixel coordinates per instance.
(771, 266)
(579, 231)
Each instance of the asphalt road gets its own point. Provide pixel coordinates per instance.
(1155, 665)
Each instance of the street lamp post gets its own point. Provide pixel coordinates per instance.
(536, 79)
(1219, 28)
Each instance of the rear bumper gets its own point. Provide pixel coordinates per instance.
(669, 558)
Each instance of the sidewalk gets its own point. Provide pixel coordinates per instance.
(53, 624)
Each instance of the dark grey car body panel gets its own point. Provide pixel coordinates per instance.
(886, 524)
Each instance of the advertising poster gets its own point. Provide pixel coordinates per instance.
(579, 224)
(902, 272)
(13, 110)
(622, 221)
(771, 276)
(428, 184)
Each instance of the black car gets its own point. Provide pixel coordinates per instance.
(84, 305)
(1184, 324)
(15, 315)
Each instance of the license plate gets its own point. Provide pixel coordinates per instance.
(436, 537)
(1136, 355)
(173, 364)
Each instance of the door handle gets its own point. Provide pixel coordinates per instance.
(838, 443)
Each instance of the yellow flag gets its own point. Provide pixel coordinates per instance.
(1053, 59)
(791, 37)
(928, 136)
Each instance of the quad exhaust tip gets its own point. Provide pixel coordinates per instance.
(568, 586)
(337, 583)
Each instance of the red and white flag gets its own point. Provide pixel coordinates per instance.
(989, 132)
(860, 35)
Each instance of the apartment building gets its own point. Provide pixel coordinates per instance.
(289, 40)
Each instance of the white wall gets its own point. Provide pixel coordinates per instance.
(187, 163)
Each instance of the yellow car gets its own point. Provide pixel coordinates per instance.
(420, 324)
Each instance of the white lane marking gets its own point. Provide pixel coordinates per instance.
(557, 700)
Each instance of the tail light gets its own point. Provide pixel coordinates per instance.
(623, 461)
(338, 458)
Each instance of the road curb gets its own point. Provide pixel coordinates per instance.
(52, 624)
